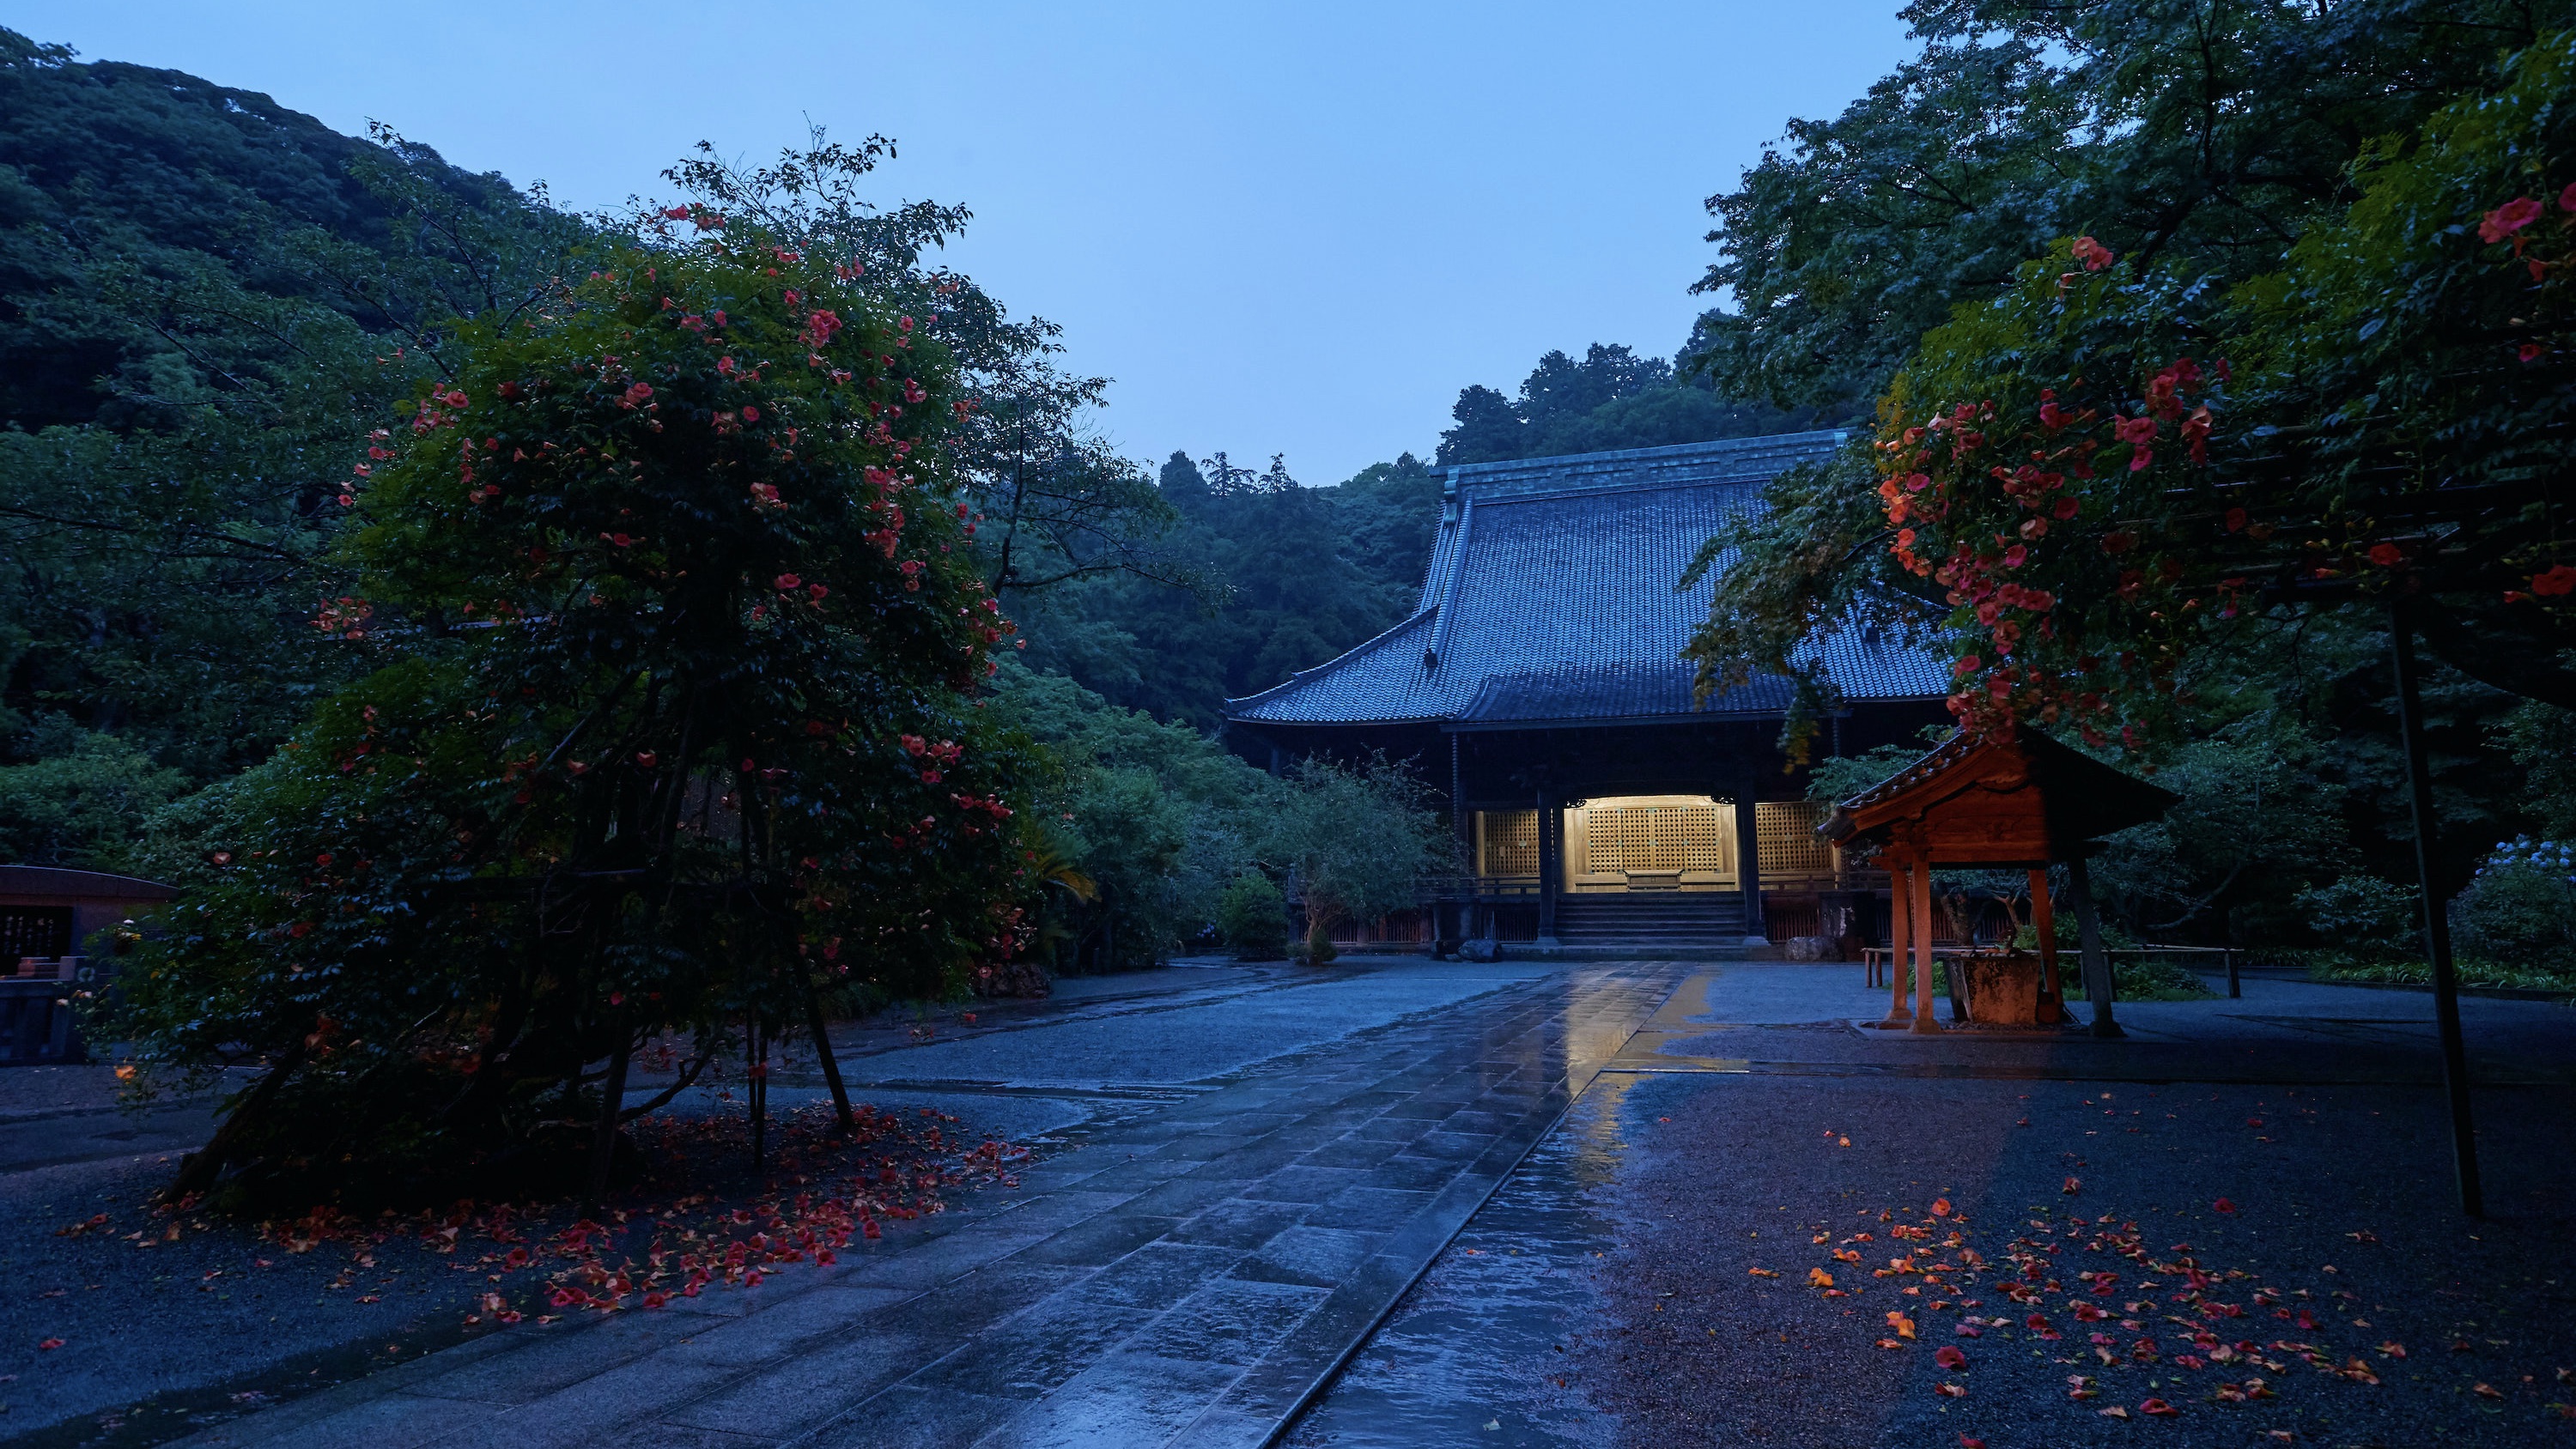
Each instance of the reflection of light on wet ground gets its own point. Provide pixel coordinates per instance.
(1487, 1334)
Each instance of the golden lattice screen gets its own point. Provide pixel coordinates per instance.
(1510, 842)
(1787, 829)
(1654, 838)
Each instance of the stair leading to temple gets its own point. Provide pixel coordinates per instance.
(1652, 922)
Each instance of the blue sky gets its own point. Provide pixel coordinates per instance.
(1279, 228)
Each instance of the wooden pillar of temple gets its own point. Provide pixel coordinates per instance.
(2043, 921)
(1900, 941)
(1921, 909)
(1551, 865)
(1748, 865)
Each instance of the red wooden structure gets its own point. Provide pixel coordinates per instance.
(2020, 800)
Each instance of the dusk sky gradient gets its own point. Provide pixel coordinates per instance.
(1279, 228)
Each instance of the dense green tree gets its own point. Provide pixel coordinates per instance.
(82, 802)
(1287, 577)
(1158, 817)
(120, 184)
(2146, 503)
(2199, 135)
(206, 301)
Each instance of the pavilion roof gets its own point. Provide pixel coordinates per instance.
(2020, 799)
(50, 885)
(1549, 599)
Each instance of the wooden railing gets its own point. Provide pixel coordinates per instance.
(1475, 887)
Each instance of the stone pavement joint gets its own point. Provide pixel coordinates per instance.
(1192, 1276)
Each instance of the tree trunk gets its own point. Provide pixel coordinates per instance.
(198, 1170)
(823, 1054)
(758, 1090)
(612, 1101)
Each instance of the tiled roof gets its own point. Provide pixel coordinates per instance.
(1565, 607)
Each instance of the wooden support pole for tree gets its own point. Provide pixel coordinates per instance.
(2043, 921)
(2097, 962)
(2437, 923)
(1921, 907)
(1900, 941)
(823, 1054)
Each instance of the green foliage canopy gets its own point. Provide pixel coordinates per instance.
(2085, 485)
(2198, 137)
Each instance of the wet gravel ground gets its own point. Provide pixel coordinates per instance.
(1751, 1118)
(2343, 1203)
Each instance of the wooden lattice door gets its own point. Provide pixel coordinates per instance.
(1509, 843)
(1655, 839)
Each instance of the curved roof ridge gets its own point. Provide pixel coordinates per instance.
(1357, 653)
(1714, 447)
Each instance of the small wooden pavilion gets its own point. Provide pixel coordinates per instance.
(2004, 801)
(45, 915)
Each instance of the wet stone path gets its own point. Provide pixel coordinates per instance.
(1192, 1275)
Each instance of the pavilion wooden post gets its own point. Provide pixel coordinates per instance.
(1921, 907)
(1900, 941)
(2043, 919)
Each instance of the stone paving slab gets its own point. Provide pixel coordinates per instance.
(1194, 1275)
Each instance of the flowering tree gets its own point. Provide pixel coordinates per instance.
(673, 634)
(2079, 487)
(1057, 503)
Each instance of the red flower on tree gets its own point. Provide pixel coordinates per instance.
(2509, 218)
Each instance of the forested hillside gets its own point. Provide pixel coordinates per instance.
(1612, 398)
(206, 301)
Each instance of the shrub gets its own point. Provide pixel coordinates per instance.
(1253, 918)
(2364, 916)
(1356, 838)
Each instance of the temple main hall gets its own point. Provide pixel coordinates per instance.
(1539, 689)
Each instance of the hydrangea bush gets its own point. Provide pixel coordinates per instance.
(2521, 908)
